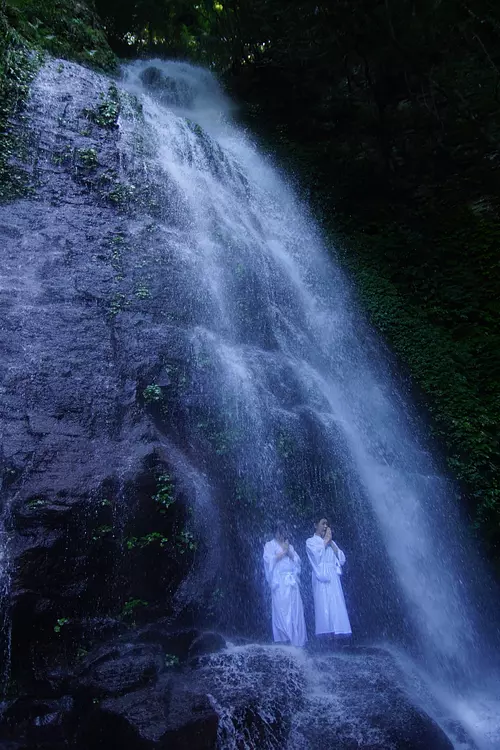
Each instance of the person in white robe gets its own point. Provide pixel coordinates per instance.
(326, 561)
(282, 570)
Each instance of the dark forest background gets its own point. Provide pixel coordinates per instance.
(388, 113)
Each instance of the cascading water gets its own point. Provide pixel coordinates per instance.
(293, 360)
(283, 404)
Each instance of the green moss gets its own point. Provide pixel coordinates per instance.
(144, 541)
(62, 157)
(61, 622)
(101, 532)
(164, 496)
(106, 114)
(63, 28)
(17, 68)
(121, 195)
(118, 303)
(444, 346)
(88, 157)
(142, 292)
(171, 661)
(152, 393)
(27, 29)
(131, 605)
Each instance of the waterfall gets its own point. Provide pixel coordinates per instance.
(274, 396)
(291, 355)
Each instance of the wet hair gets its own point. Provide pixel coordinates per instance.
(319, 517)
(281, 529)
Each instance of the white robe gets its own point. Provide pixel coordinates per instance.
(287, 610)
(329, 605)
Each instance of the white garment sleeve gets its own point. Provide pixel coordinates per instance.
(269, 561)
(316, 553)
(296, 561)
(339, 560)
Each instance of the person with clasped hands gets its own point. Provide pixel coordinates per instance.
(326, 561)
(282, 570)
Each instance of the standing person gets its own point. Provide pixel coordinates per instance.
(326, 561)
(282, 569)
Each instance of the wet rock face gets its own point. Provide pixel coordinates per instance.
(137, 691)
(277, 697)
(149, 690)
(167, 91)
(82, 450)
(143, 690)
(362, 700)
(101, 384)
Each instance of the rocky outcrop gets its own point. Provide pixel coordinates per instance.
(91, 500)
(154, 689)
(134, 691)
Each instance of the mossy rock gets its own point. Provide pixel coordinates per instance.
(63, 28)
(29, 28)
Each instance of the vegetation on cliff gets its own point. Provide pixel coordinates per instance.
(27, 30)
(67, 29)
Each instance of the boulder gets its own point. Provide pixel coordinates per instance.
(36, 723)
(162, 716)
(206, 643)
(121, 669)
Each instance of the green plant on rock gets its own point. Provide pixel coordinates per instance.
(219, 439)
(131, 606)
(106, 114)
(36, 502)
(88, 157)
(142, 292)
(185, 542)
(17, 68)
(152, 393)
(164, 496)
(121, 194)
(64, 156)
(101, 532)
(117, 246)
(118, 303)
(285, 445)
(194, 127)
(60, 624)
(224, 440)
(140, 542)
(171, 661)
